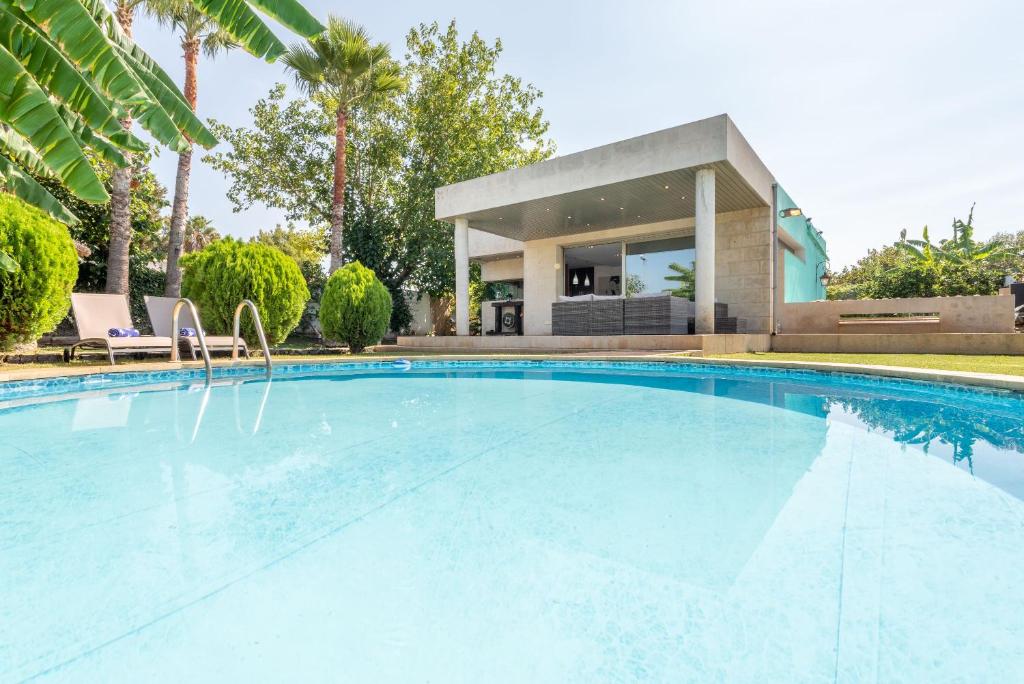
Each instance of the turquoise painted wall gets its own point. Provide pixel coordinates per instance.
(802, 276)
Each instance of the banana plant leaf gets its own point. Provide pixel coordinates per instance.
(157, 83)
(72, 28)
(291, 14)
(16, 148)
(244, 25)
(175, 106)
(24, 187)
(60, 78)
(86, 137)
(25, 108)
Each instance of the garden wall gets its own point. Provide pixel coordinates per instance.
(974, 314)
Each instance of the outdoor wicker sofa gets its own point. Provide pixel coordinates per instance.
(660, 314)
(587, 315)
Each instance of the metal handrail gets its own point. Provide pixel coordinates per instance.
(259, 333)
(175, 330)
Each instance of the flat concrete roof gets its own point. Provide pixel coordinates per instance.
(647, 179)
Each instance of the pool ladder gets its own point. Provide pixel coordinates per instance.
(201, 335)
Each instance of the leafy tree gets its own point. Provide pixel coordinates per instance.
(960, 265)
(284, 160)
(634, 285)
(303, 245)
(343, 68)
(466, 120)
(459, 119)
(198, 32)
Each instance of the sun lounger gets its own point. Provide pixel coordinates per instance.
(159, 310)
(96, 314)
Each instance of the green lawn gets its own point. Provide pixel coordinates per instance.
(1004, 365)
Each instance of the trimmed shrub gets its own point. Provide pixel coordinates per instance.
(355, 308)
(34, 296)
(227, 271)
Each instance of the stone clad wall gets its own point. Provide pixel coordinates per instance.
(972, 314)
(743, 267)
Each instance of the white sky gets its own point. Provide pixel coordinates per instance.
(875, 116)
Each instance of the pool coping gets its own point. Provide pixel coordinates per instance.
(965, 378)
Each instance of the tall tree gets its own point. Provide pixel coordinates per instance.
(459, 119)
(466, 120)
(119, 247)
(199, 233)
(198, 32)
(343, 67)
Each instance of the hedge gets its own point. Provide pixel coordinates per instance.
(355, 308)
(35, 295)
(227, 271)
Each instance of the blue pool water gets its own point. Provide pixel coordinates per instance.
(524, 522)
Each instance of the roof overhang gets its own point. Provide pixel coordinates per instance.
(642, 180)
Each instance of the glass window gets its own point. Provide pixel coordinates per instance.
(660, 266)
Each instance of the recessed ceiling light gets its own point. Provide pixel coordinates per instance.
(569, 217)
(602, 199)
(547, 210)
(666, 187)
(622, 208)
(683, 197)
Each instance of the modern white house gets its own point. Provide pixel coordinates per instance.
(690, 211)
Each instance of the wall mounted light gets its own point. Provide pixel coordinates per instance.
(825, 276)
(790, 213)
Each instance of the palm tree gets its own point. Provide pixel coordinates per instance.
(686, 277)
(199, 232)
(343, 67)
(198, 32)
(120, 242)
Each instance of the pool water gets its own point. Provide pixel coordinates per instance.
(499, 524)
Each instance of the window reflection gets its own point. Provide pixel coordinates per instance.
(661, 266)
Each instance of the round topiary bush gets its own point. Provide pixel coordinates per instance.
(36, 279)
(227, 271)
(355, 308)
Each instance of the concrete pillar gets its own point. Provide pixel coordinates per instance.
(705, 239)
(461, 276)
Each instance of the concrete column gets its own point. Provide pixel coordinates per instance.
(705, 239)
(461, 276)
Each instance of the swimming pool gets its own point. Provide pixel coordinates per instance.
(512, 521)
